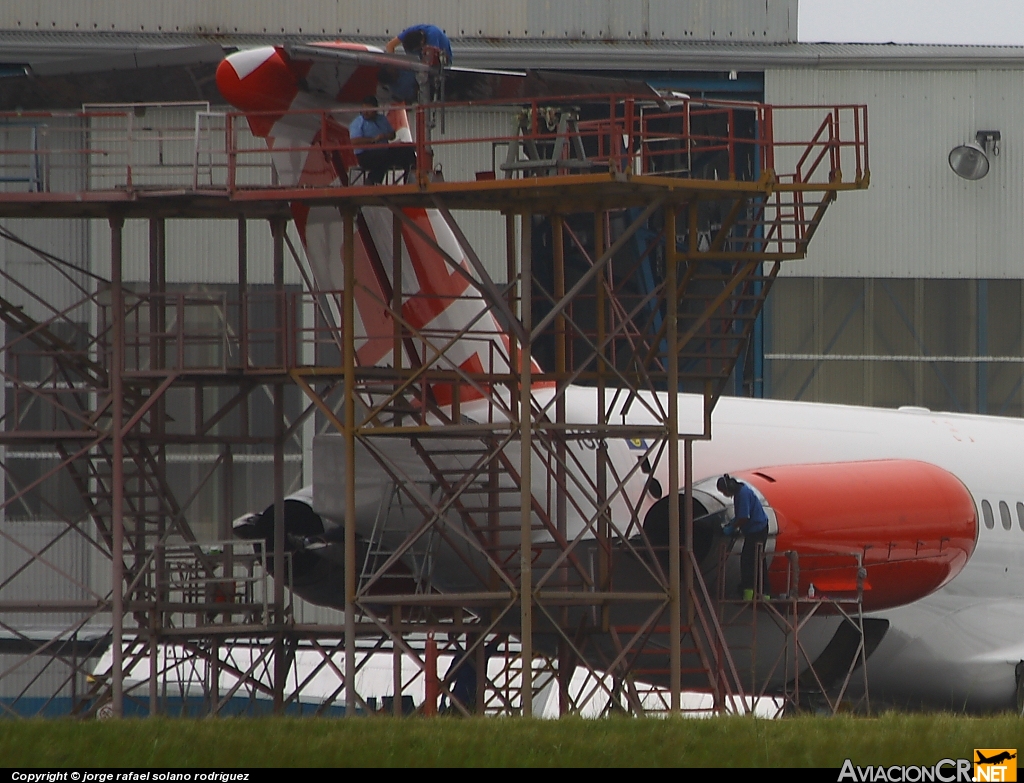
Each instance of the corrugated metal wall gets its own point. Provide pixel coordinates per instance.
(460, 162)
(911, 291)
(67, 571)
(62, 574)
(946, 344)
(918, 219)
(66, 239)
(770, 21)
(203, 252)
(198, 251)
(62, 169)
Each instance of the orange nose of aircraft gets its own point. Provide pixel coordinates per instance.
(913, 524)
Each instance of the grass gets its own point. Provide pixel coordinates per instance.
(284, 742)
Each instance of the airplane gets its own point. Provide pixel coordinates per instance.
(910, 492)
(996, 759)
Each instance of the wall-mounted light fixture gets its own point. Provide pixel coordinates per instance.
(970, 160)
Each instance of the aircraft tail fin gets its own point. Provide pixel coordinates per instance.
(444, 322)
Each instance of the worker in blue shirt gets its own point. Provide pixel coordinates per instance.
(374, 127)
(751, 521)
(413, 39)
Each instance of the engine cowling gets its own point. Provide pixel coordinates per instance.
(316, 565)
(913, 524)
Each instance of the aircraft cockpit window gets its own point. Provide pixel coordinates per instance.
(1004, 515)
(986, 511)
(1020, 515)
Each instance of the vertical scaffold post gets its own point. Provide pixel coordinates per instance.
(672, 425)
(396, 661)
(348, 336)
(157, 304)
(243, 329)
(688, 527)
(117, 468)
(243, 311)
(396, 291)
(565, 667)
(277, 227)
(159, 425)
(227, 587)
(432, 687)
(691, 258)
(601, 479)
(510, 268)
(526, 465)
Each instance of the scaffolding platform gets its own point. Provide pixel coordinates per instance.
(663, 226)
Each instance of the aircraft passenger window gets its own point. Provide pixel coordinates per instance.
(1004, 515)
(1020, 515)
(986, 511)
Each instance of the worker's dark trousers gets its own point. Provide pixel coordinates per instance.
(748, 557)
(378, 161)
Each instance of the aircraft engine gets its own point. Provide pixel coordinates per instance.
(316, 553)
(912, 525)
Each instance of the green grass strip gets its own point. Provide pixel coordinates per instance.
(287, 742)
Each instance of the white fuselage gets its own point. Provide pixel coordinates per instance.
(958, 647)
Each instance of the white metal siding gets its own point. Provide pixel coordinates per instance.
(719, 20)
(198, 251)
(918, 219)
(33, 681)
(460, 162)
(33, 278)
(62, 574)
(59, 166)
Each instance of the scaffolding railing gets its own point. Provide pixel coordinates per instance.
(216, 151)
(802, 671)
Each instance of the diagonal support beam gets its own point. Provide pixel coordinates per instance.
(499, 302)
(489, 286)
(598, 266)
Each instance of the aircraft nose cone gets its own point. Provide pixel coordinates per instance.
(912, 524)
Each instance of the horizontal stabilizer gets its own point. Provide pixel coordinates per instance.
(477, 85)
(336, 54)
(144, 76)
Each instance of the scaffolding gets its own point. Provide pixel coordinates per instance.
(642, 239)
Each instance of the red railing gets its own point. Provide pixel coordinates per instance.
(721, 140)
(193, 332)
(43, 155)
